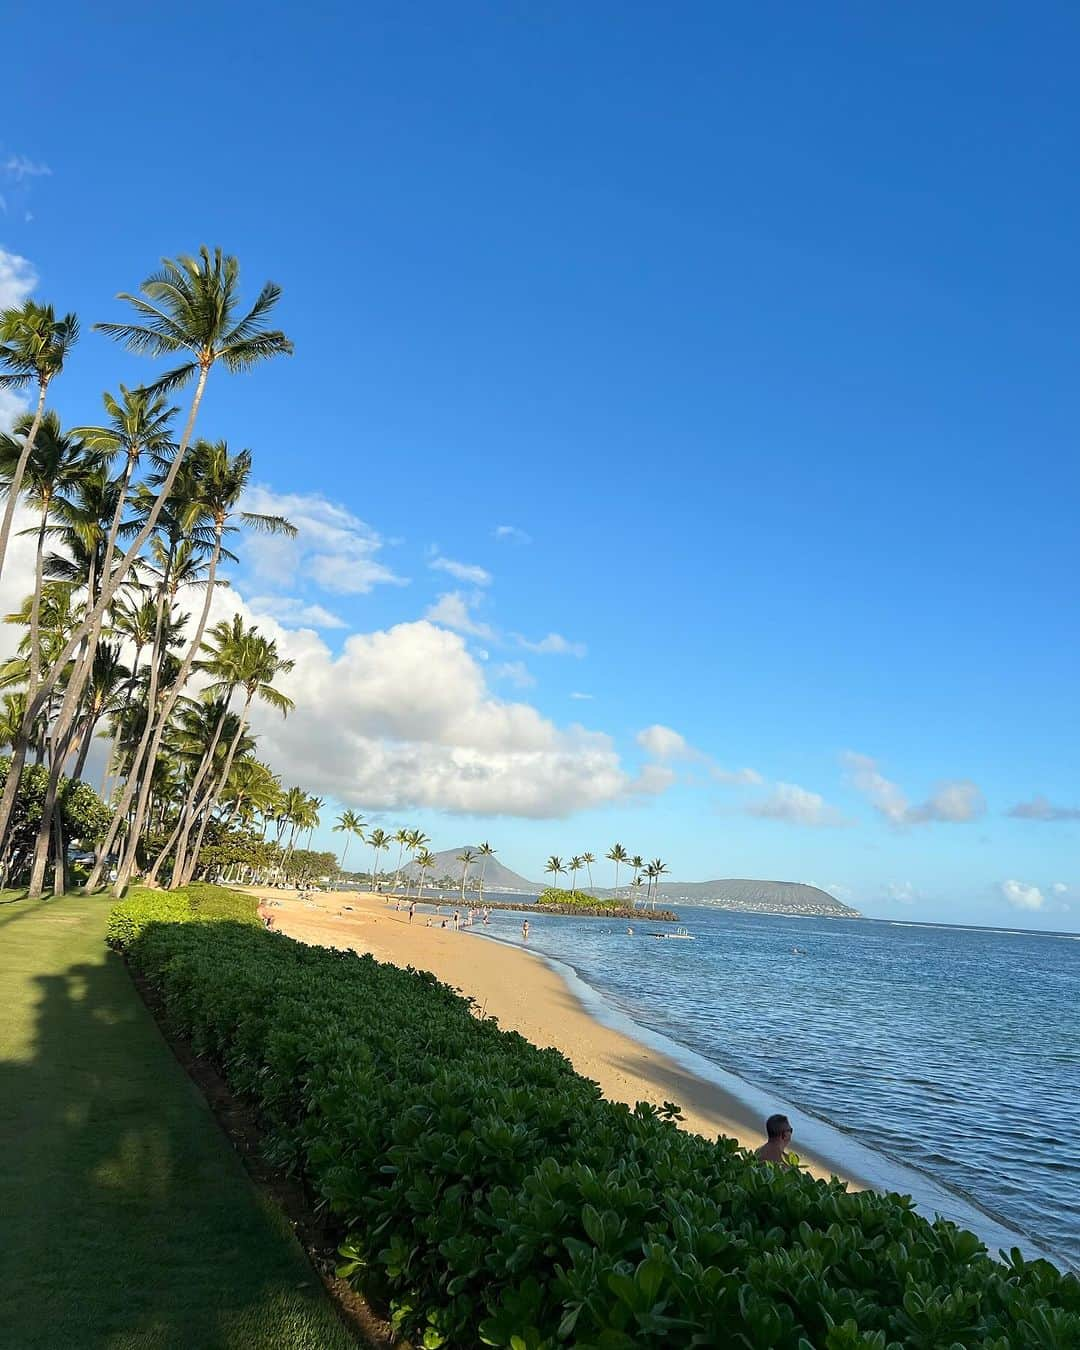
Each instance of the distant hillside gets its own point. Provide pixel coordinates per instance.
(762, 897)
(496, 876)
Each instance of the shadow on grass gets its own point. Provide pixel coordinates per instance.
(126, 1219)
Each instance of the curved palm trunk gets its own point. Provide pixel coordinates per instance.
(84, 745)
(121, 810)
(211, 799)
(108, 590)
(345, 850)
(20, 471)
(483, 869)
(464, 874)
(182, 832)
(35, 605)
(128, 863)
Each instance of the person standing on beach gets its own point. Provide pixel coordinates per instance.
(457, 918)
(412, 909)
(778, 1136)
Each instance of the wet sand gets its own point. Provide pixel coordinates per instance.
(526, 996)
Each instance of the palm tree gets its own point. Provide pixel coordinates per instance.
(109, 680)
(314, 806)
(189, 308)
(425, 861)
(637, 862)
(485, 851)
(465, 859)
(33, 347)
(217, 483)
(58, 462)
(655, 871)
(618, 855)
(258, 665)
(349, 822)
(401, 838)
(379, 840)
(587, 860)
(417, 841)
(575, 865)
(555, 865)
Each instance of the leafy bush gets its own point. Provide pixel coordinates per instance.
(575, 900)
(142, 906)
(84, 815)
(491, 1196)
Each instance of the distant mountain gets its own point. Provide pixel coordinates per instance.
(756, 897)
(496, 876)
(762, 897)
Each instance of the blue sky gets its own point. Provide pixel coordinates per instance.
(759, 327)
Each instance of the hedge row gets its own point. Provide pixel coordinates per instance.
(488, 1194)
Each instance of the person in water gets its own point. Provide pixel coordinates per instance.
(525, 930)
(778, 1138)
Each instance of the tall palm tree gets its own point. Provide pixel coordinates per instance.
(656, 869)
(379, 840)
(618, 855)
(189, 308)
(349, 822)
(574, 866)
(109, 680)
(401, 838)
(56, 465)
(34, 344)
(555, 865)
(314, 806)
(637, 864)
(217, 480)
(466, 859)
(587, 860)
(485, 851)
(417, 842)
(258, 665)
(425, 861)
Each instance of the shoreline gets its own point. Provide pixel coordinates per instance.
(546, 1001)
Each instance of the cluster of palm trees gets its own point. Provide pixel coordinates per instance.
(415, 843)
(643, 873)
(132, 523)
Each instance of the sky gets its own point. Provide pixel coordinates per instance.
(682, 422)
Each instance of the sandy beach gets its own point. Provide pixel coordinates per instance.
(526, 996)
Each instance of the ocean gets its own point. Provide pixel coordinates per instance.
(950, 1056)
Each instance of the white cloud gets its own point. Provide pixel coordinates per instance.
(454, 610)
(17, 279)
(517, 672)
(19, 167)
(902, 892)
(796, 805)
(576, 693)
(1039, 808)
(333, 548)
(745, 776)
(17, 581)
(1060, 888)
(554, 644)
(955, 802)
(1022, 896)
(663, 743)
(471, 572)
(292, 611)
(653, 779)
(511, 534)
(403, 717)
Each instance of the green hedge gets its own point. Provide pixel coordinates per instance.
(490, 1195)
(142, 906)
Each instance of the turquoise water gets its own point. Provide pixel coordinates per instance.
(953, 1051)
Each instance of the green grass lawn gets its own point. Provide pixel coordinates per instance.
(126, 1218)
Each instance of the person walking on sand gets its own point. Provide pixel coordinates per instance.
(525, 930)
(457, 919)
(412, 910)
(775, 1148)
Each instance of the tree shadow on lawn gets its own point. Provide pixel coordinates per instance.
(126, 1219)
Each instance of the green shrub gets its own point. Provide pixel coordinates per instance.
(491, 1196)
(142, 906)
